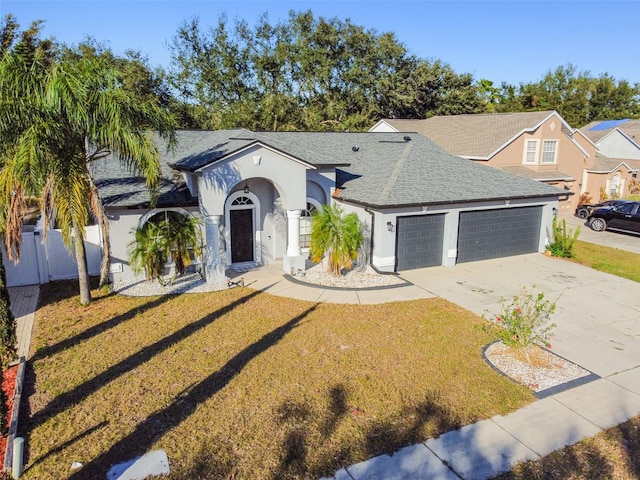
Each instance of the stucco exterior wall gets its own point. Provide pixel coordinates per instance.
(570, 160)
(596, 181)
(122, 224)
(216, 181)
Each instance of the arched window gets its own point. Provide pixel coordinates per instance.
(242, 201)
(614, 186)
(305, 224)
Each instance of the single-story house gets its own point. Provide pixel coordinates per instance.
(255, 191)
(540, 146)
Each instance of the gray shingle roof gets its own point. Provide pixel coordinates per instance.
(607, 164)
(473, 135)
(387, 171)
(119, 187)
(380, 169)
(541, 176)
(595, 132)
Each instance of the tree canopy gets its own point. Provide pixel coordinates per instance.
(578, 96)
(308, 73)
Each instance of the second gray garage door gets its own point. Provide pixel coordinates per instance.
(419, 241)
(486, 234)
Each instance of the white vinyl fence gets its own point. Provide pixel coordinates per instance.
(42, 263)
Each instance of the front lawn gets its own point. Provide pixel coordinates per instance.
(241, 384)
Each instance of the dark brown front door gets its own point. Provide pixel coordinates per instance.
(241, 235)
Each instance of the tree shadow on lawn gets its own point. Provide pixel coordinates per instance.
(588, 459)
(156, 425)
(89, 333)
(59, 290)
(68, 399)
(299, 458)
(379, 436)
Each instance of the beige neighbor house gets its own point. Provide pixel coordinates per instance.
(619, 140)
(537, 145)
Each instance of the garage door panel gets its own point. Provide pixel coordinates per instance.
(485, 234)
(419, 241)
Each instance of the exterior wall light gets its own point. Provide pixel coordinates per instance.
(390, 227)
(246, 187)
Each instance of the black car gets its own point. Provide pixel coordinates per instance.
(584, 209)
(625, 216)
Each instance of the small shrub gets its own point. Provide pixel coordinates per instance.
(8, 336)
(603, 195)
(525, 319)
(585, 199)
(562, 240)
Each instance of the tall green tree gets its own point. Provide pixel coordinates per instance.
(578, 96)
(309, 73)
(60, 114)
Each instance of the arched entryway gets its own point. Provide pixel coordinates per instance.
(242, 214)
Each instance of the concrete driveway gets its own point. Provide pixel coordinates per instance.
(598, 314)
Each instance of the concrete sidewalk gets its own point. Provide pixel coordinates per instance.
(24, 301)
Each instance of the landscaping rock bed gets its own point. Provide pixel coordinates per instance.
(355, 278)
(190, 283)
(542, 372)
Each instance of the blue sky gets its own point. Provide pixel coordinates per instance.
(512, 41)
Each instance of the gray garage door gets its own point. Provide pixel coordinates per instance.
(419, 241)
(485, 234)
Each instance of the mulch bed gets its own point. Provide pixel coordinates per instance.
(8, 385)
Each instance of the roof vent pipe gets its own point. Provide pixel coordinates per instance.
(355, 148)
(407, 138)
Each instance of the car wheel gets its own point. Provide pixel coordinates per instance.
(583, 213)
(598, 224)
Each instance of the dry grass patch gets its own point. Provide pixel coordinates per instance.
(612, 454)
(240, 384)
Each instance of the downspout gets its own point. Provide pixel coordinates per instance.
(366, 209)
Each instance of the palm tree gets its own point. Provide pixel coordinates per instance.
(148, 251)
(184, 238)
(60, 114)
(337, 235)
(165, 235)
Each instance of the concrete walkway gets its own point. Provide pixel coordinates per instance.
(24, 301)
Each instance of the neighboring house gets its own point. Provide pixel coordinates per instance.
(254, 192)
(619, 140)
(536, 145)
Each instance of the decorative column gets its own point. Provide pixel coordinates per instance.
(293, 261)
(214, 256)
(293, 235)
